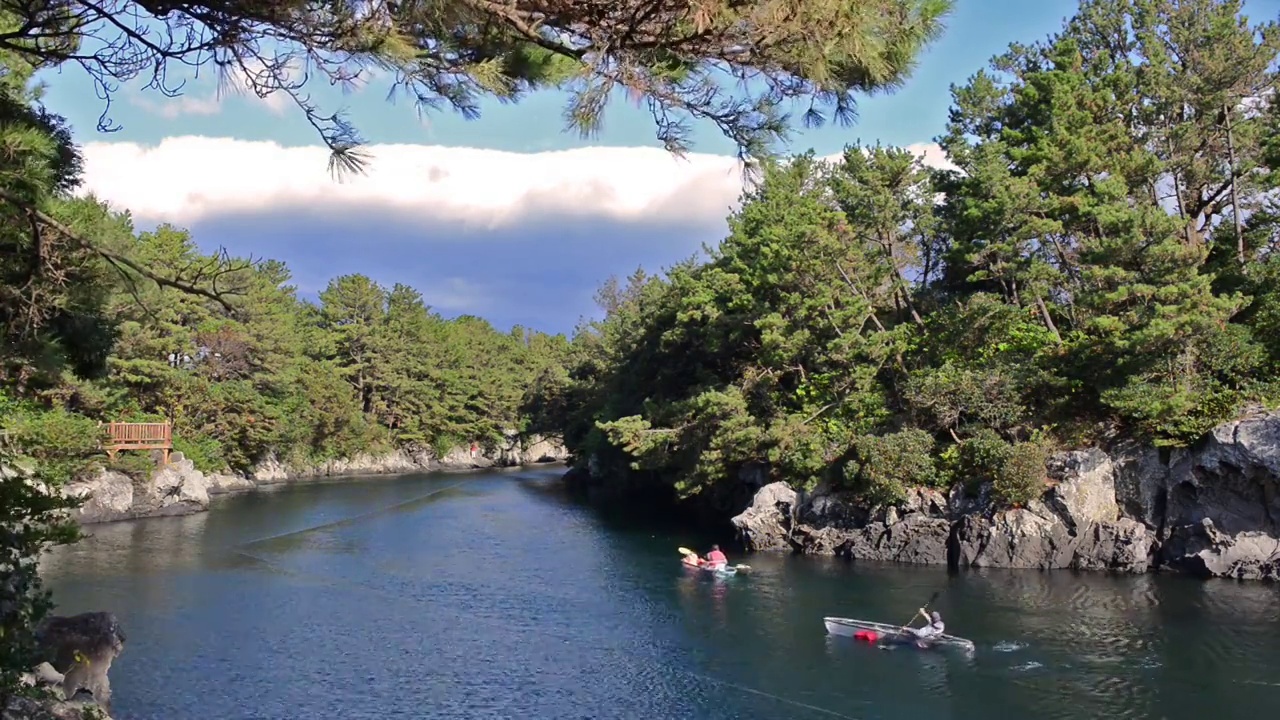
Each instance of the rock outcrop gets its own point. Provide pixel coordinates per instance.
(77, 655)
(81, 648)
(26, 708)
(178, 488)
(1210, 510)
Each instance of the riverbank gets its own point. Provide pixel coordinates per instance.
(179, 488)
(1211, 510)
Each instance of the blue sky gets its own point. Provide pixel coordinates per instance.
(540, 265)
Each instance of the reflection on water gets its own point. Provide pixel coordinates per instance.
(495, 596)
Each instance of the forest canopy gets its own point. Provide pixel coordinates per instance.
(1101, 264)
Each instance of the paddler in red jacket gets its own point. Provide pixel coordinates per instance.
(716, 559)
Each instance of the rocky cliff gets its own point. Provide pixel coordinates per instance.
(1212, 510)
(179, 488)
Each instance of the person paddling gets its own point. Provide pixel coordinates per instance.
(716, 559)
(692, 559)
(934, 627)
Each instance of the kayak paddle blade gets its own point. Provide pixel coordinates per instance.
(686, 551)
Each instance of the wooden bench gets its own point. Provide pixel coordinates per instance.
(140, 436)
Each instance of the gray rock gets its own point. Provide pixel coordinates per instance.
(1204, 550)
(1142, 483)
(44, 674)
(269, 471)
(917, 539)
(1086, 490)
(1125, 545)
(530, 450)
(24, 708)
(1030, 537)
(460, 458)
(926, 501)
(767, 522)
(1211, 510)
(82, 648)
(1221, 514)
(177, 488)
(223, 484)
(107, 496)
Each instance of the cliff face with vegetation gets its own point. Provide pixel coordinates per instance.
(1210, 510)
(1099, 270)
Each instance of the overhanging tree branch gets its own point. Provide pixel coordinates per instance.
(209, 272)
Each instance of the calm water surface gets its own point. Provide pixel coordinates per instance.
(492, 596)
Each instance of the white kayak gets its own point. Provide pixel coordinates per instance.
(890, 634)
(726, 571)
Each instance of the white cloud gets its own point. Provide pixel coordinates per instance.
(933, 155)
(183, 105)
(212, 102)
(185, 180)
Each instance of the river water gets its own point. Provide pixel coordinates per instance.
(494, 596)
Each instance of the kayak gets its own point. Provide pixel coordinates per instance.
(726, 571)
(889, 634)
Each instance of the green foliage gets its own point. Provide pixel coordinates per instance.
(138, 466)
(737, 64)
(203, 451)
(980, 459)
(885, 466)
(60, 444)
(1102, 258)
(33, 516)
(1021, 476)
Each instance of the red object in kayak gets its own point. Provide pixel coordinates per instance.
(868, 635)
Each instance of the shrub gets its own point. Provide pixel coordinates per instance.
(60, 444)
(203, 451)
(136, 465)
(885, 466)
(1020, 479)
(981, 458)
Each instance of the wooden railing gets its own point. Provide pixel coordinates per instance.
(139, 436)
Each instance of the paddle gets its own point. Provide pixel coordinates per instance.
(933, 598)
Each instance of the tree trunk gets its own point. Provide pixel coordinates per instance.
(1235, 206)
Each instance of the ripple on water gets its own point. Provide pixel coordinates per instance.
(1008, 646)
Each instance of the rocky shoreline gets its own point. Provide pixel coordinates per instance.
(1212, 510)
(179, 488)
